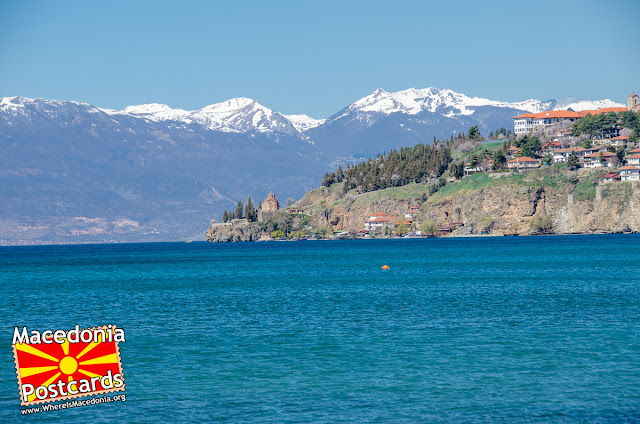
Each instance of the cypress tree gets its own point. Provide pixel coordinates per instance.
(249, 210)
(239, 210)
(225, 217)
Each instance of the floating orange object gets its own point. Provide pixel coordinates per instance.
(385, 266)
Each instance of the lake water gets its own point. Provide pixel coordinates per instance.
(521, 329)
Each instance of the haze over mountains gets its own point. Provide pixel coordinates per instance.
(73, 172)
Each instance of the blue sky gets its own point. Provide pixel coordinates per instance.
(316, 57)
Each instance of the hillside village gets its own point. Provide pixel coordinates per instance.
(591, 149)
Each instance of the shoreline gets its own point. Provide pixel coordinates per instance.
(201, 242)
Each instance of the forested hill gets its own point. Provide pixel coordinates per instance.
(420, 163)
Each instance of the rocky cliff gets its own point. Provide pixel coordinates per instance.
(237, 230)
(567, 201)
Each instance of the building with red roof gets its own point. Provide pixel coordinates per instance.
(524, 162)
(378, 221)
(523, 124)
(634, 160)
(629, 173)
(600, 159)
(610, 177)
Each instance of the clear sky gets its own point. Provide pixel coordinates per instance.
(316, 57)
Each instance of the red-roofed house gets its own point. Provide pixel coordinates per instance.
(378, 221)
(620, 140)
(611, 177)
(523, 124)
(633, 160)
(594, 149)
(410, 213)
(523, 162)
(592, 160)
(512, 151)
(630, 173)
(561, 155)
(550, 146)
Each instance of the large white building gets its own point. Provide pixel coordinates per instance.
(525, 123)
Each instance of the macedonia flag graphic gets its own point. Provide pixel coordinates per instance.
(82, 364)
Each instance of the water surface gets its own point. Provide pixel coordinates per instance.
(523, 329)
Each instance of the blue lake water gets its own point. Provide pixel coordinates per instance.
(522, 329)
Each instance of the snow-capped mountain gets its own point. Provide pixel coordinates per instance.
(76, 172)
(239, 114)
(579, 105)
(303, 122)
(449, 103)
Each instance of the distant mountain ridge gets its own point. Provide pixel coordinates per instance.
(74, 172)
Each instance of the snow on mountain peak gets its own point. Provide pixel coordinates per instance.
(239, 114)
(302, 122)
(578, 105)
(450, 103)
(153, 112)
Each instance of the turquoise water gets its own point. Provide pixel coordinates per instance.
(523, 329)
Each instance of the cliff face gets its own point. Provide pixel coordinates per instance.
(500, 203)
(238, 230)
(570, 202)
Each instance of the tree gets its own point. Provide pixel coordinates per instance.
(499, 159)
(291, 200)
(529, 146)
(250, 211)
(573, 162)
(460, 170)
(277, 234)
(402, 229)
(297, 234)
(323, 230)
(542, 223)
(601, 158)
(474, 133)
(429, 227)
(239, 210)
(466, 147)
(548, 159)
(587, 143)
(620, 153)
(225, 217)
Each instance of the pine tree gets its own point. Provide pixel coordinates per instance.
(225, 217)
(239, 210)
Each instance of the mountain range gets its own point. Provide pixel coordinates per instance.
(73, 172)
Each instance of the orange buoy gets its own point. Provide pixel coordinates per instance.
(385, 266)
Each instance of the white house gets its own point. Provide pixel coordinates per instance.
(561, 155)
(523, 162)
(630, 173)
(609, 160)
(633, 160)
(378, 221)
(410, 213)
(523, 124)
(610, 178)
